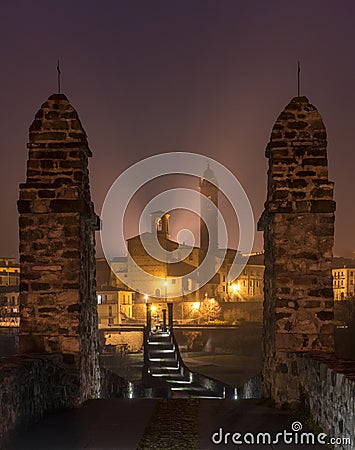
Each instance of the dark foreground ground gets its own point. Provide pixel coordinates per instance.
(147, 424)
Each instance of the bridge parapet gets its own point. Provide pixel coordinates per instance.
(327, 387)
(30, 385)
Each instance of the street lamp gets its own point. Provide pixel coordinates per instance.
(235, 288)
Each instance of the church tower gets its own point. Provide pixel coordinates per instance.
(208, 187)
(160, 224)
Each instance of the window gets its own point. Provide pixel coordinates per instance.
(351, 274)
(110, 310)
(224, 289)
(244, 283)
(257, 284)
(110, 321)
(173, 281)
(224, 278)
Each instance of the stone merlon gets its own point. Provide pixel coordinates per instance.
(298, 168)
(57, 173)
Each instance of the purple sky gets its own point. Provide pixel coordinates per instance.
(204, 76)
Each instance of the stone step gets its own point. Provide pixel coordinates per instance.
(164, 363)
(159, 337)
(154, 346)
(165, 371)
(157, 355)
(193, 392)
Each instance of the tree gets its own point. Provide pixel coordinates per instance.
(210, 309)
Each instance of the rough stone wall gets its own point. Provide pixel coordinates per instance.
(58, 305)
(134, 339)
(298, 225)
(327, 384)
(31, 385)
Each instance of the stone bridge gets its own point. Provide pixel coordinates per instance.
(58, 364)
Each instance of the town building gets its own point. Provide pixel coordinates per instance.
(9, 272)
(9, 292)
(114, 306)
(344, 283)
(9, 306)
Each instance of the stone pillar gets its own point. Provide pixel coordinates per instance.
(148, 314)
(298, 225)
(164, 320)
(57, 223)
(170, 316)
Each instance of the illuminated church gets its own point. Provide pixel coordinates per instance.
(179, 277)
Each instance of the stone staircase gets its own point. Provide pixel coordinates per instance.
(164, 365)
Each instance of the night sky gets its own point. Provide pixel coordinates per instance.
(148, 77)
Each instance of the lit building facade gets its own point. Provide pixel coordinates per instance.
(9, 306)
(9, 272)
(114, 306)
(344, 283)
(9, 292)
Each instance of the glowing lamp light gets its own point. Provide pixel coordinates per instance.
(235, 288)
(146, 298)
(196, 306)
(165, 283)
(153, 308)
(99, 299)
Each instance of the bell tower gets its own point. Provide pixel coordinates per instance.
(208, 187)
(160, 224)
